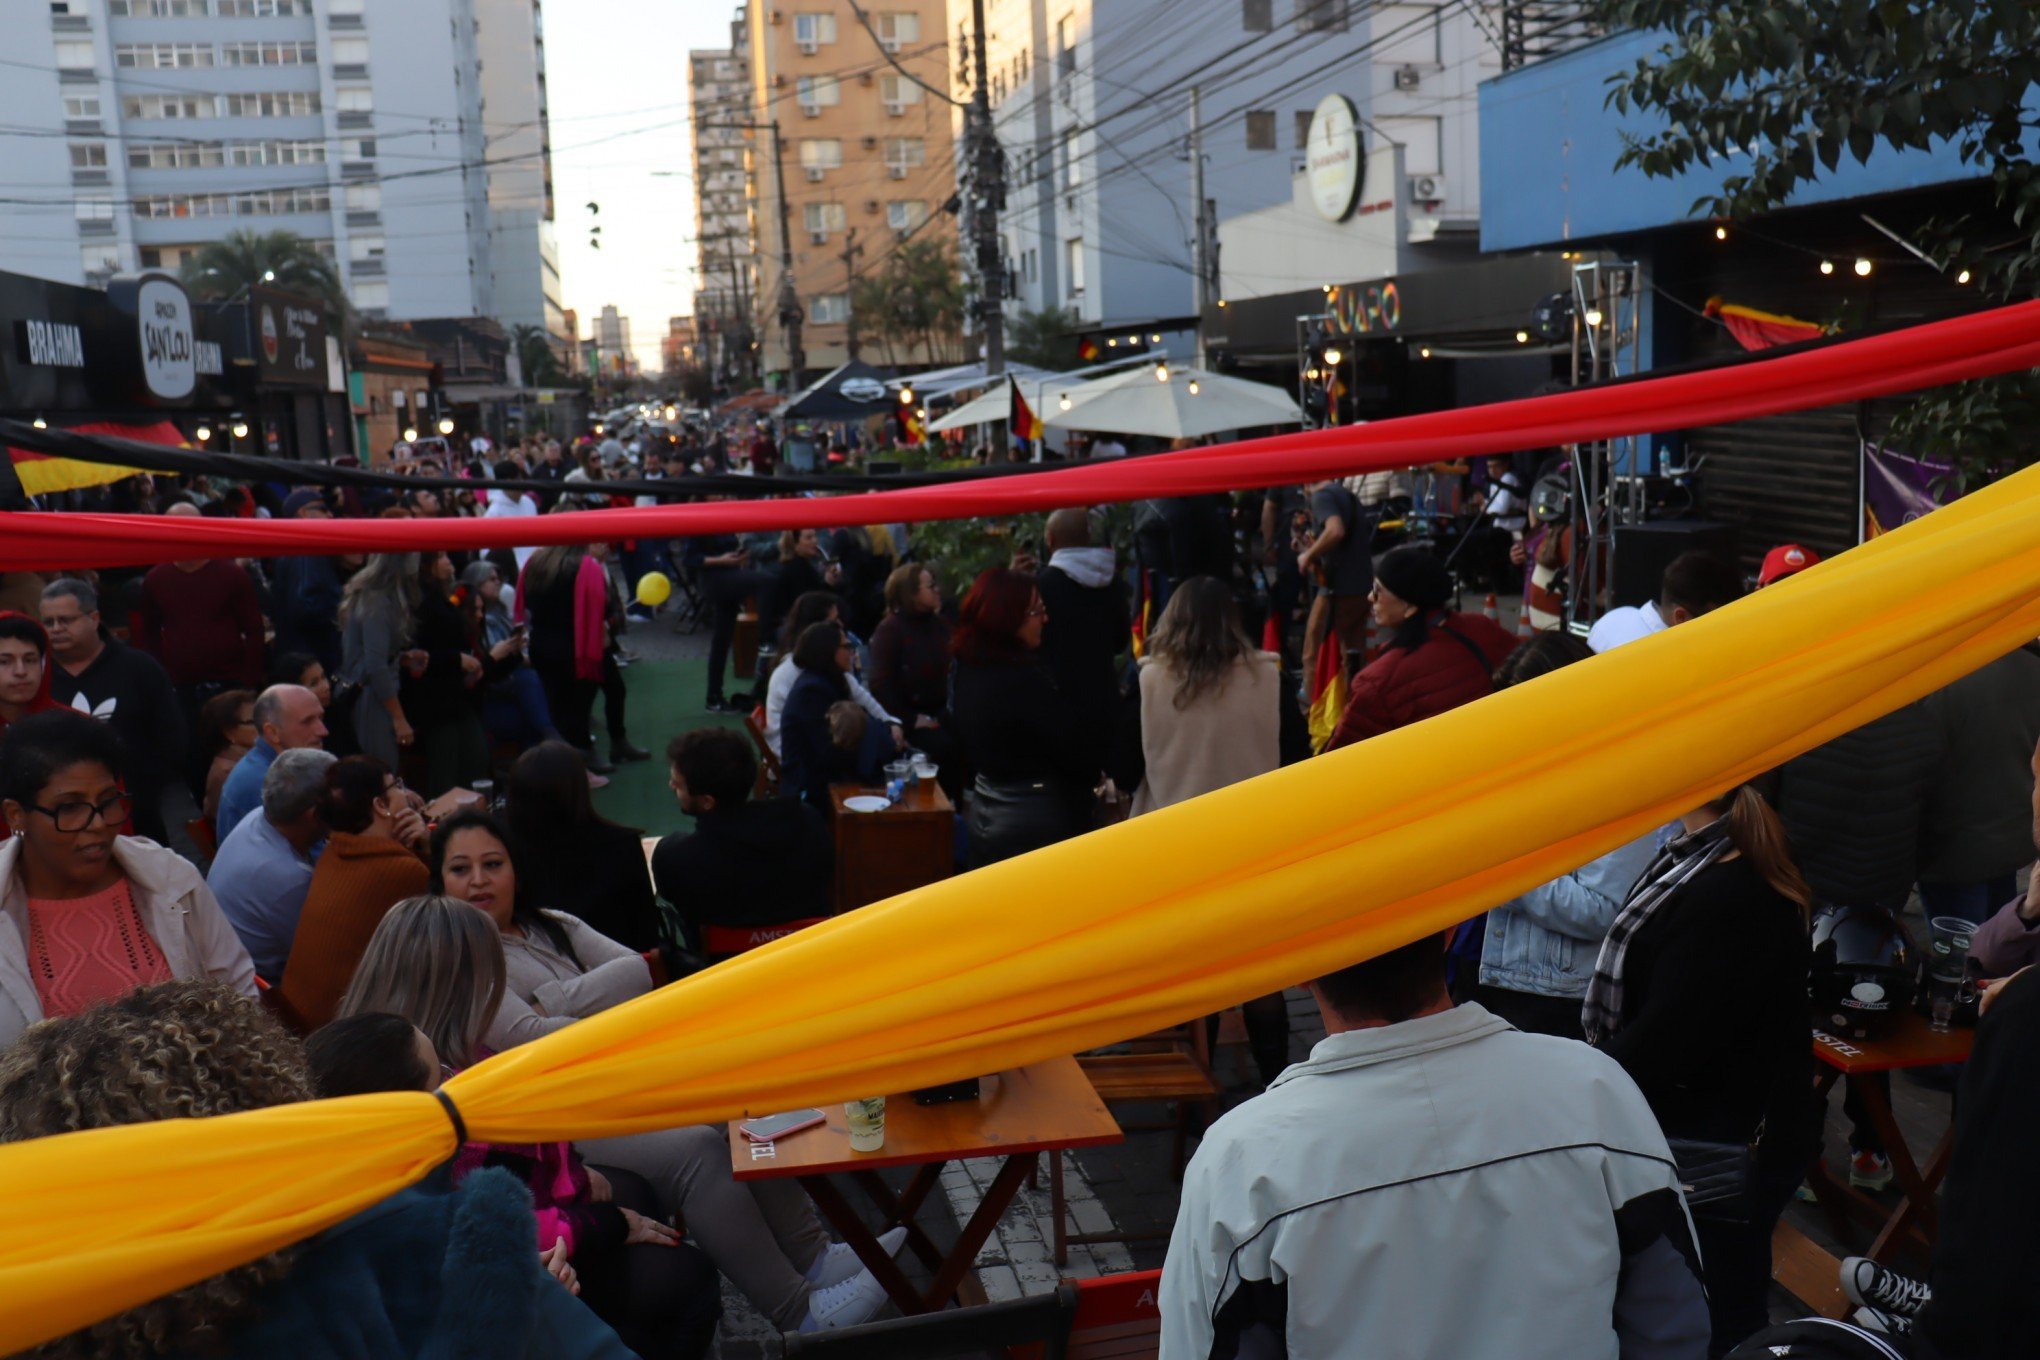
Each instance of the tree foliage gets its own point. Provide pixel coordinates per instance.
(1783, 91)
(912, 305)
(1045, 338)
(223, 269)
(540, 361)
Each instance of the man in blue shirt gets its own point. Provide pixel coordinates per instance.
(264, 868)
(287, 718)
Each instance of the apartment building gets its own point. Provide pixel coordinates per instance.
(864, 126)
(144, 129)
(719, 102)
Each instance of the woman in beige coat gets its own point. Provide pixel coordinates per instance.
(1211, 715)
(1210, 703)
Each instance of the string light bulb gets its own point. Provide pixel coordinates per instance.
(1594, 316)
(1424, 353)
(40, 423)
(1064, 401)
(1221, 304)
(410, 433)
(1827, 266)
(1161, 372)
(1193, 387)
(239, 429)
(1112, 342)
(1963, 277)
(1333, 354)
(1328, 288)
(1721, 233)
(202, 433)
(1863, 268)
(907, 395)
(1311, 374)
(1522, 337)
(1154, 339)
(446, 424)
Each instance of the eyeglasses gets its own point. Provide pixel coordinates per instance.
(1039, 611)
(72, 818)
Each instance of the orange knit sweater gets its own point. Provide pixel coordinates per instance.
(358, 880)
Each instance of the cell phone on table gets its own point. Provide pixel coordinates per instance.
(765, 1128)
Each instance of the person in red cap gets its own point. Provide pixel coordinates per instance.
(1787, 559)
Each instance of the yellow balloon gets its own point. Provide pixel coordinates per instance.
(654, 588)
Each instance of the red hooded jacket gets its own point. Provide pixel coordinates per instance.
(1406, 685)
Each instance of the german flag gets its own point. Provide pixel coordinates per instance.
(1087, 349)
(1021, 420)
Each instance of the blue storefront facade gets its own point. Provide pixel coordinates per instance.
(1549, 146)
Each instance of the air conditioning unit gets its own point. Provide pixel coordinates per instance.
(811, 110)
(897, 171)
(814, 174)
(895, 109)
(1408, 77)
(818, 238)
(808, 49)
(889, 44)
(1427, 188)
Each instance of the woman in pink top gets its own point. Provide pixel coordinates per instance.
(91, 914)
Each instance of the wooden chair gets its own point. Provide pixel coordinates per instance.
(768, 763)
(744, 642)
(1041, 1325)
(1119, 1317)
(1169, 1067)
(724, 942)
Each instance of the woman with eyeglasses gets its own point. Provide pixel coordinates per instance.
(374, 859)
(824, 737)
(93, 914)
(1034, 779)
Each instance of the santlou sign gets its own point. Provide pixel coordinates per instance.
(1332, 157)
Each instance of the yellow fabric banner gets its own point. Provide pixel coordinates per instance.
(1161, 918)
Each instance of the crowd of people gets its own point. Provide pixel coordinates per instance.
(1525, 1104)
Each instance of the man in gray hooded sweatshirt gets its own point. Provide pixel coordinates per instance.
(1088, 624)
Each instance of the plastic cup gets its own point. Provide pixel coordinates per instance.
(867, 1123)
(902, 770)
(1949, 938)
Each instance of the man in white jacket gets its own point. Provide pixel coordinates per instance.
(1432, 1183)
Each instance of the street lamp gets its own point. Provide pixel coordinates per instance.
(446, 424)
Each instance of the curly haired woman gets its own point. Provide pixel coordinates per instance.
(194, 1049)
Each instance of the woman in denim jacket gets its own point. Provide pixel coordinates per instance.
(1540, 947)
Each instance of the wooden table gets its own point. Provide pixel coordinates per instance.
(1911, 1043)
(881, 854)
(1041, 1108)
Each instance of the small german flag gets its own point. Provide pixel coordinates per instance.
(1021, 421)
(1087, 349)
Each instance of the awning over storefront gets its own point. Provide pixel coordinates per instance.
(1480, 304)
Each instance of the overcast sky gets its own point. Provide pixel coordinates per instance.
(617, 74)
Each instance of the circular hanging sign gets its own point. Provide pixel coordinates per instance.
(863, 389)
(1332, 157)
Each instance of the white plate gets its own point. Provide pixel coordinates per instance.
(866, 802)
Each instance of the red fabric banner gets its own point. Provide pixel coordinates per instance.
(2002, 340)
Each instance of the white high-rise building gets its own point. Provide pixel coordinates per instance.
(141, 130)
(719, 103)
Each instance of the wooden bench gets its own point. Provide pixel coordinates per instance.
(1808, 1272)
(1172, 1067)
(1114, 1317)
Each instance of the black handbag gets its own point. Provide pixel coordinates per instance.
(1718, 1179)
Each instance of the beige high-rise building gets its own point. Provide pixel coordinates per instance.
(869, 158)
(719, 102)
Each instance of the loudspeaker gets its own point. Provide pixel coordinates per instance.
(1643, 551)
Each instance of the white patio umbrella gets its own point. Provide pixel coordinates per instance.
(1191, 403)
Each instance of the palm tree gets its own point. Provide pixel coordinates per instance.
(1044, 338)
(223, 270)
(535, 352)
(914, 304)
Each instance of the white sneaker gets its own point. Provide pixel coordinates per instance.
(854, 1301)
(838, 1261)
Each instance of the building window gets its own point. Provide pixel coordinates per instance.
(897, 30)
(276, 153)
(821, 153)
(88, 155)
(816, 92)
(174, 155)
(274, 104)
(905, 214)
(100, 260)
(348, 51)
(1321, 16)
(828, 308)
(1073, 165)
(166, 106)
(812, 30)
(1073, 265)
(162, 56)
(276, 53)
(823, 218)
(257, 203)
(364, 198)
(93, 209)
(354, 99)
(357, 148)
(1260, 129)
(267, 9)
(898, 91)
(370, 297)
(903, 154)
(1303, 117)
(74, 56)
(361, 248)
(1257, 16)
(1066, 45)
(158, 9)
(81, 106)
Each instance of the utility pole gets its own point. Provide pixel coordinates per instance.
(988, 189)
(851, 252)
(789, 301)
(1201, 266)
